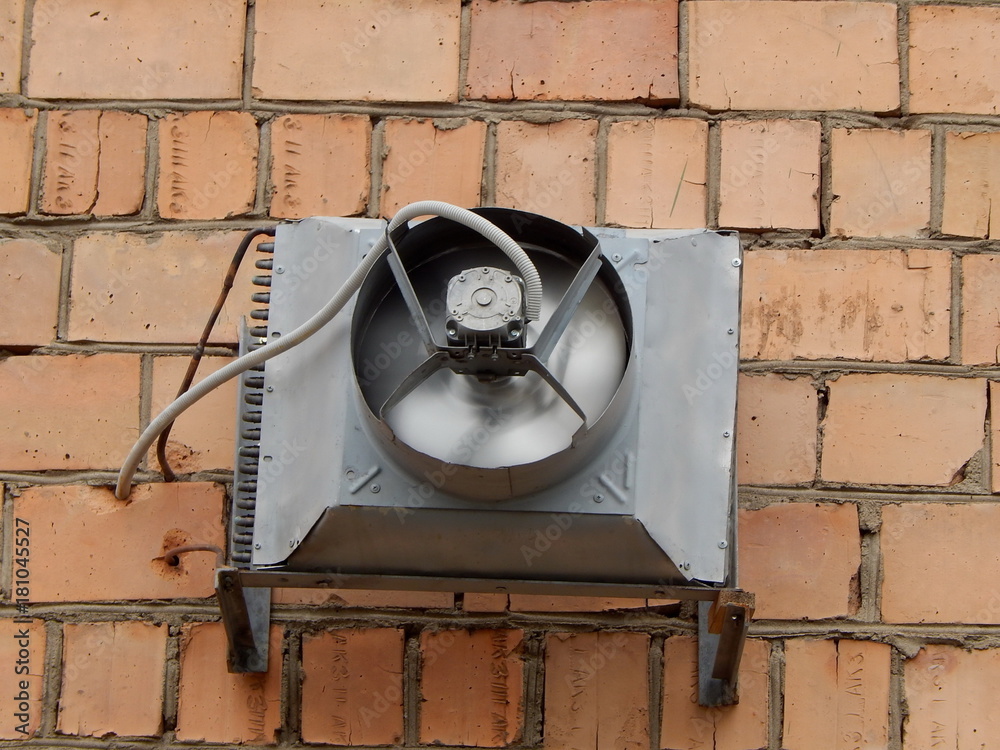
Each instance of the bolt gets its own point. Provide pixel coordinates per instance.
(737, 262)
(375, 488)
(598, 498)
(723, 544)
(279, 269)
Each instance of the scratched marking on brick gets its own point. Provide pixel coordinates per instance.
(932, 693)
(499, 690)
(288, 155)
(72, 162)
(338, 694)
(178, 162)
(862, 698)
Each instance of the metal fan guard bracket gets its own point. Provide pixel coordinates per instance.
(319, 503)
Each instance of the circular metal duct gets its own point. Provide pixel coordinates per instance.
(511, 408)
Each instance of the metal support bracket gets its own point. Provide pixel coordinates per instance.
(722, 631)
(246, 616)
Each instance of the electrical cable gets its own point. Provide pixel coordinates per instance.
(533, 293)
(199, 350)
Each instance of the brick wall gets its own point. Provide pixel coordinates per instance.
(855, 144)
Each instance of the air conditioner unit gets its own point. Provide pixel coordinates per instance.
(508, 404)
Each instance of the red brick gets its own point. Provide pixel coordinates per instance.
(548, 169)
(950, 698)
(136, 49)
(485, 602)
(72, 528)
(17, 143)
(471, 684)
(819, 55)
(597, 690)
(71, 154)
(384, 50)
(22, 647)
(352, 687)
(29, 306)
(801, 559)
(938, 562)
(432, 160)
(217, 706)
(547, 603)
(885, 305)
(687, 726)
(954, 59)
(836, 694)
(208, 165)
(776, 430)
(770, 174)
(112, 679)
(68, 412)
(995, 437)
(319, 165)
(656, 173)
(971, 185)
(156, 288)
(881, 182)
(902, 429)
(620, 51)
(980, 309)
(364, 598)
(11, 30)
(121, 178)
(202, 438)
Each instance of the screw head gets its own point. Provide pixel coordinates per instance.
(723, 544)
(270, 389)
(731, 331)
(279, 269)
(375, 488)
(598, 498)
(725, 434)
(616, 257)
(256, 546)
(737, 262)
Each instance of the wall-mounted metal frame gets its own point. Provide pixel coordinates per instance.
(340, 512)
